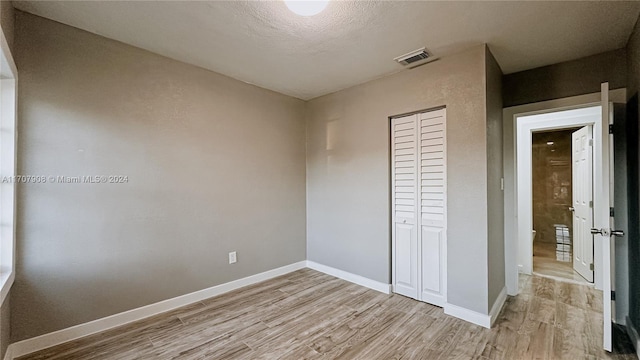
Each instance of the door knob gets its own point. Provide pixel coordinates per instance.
(617, 233)
(572, 209)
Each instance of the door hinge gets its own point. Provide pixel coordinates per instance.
(610, 128)
(613, 295)
(590, 142)
(590, 203)
(611, 212)
(591, 267)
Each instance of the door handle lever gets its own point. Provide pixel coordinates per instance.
(604, 232)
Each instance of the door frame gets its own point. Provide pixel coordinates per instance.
(526, 125)
(512, 206)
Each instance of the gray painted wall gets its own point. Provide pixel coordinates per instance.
(214, 165)
(5, 325)
(495, 195)
(7, 21)
(621, 279)
(571, 78)
(348, 199)
(633, 167)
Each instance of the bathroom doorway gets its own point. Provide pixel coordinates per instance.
(553, 209)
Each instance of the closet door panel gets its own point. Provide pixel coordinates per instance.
(432, 207)
(432, 246)
(406, 264)
(405, 186)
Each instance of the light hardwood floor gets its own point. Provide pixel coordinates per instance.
(310, 315)
(545, 263)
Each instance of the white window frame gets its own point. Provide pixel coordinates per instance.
(8, 105)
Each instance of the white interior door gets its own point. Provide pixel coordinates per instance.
(582, 181)
(603, 194)
(404, 178)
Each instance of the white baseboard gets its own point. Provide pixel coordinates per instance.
(633, 335)
(471, 316)
(356, 279)
(497, 306)
(484, 320)
(477, 318)
(31, 345)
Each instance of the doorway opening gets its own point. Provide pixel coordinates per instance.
(597, 110)
(587, 118)
(553, 175)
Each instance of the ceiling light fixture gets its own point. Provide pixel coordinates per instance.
(306, 7)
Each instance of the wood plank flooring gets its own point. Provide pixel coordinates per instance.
(545, 263)
(310, 315)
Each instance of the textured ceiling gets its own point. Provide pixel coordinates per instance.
(351, 42)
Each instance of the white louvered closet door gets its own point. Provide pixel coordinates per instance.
(432, 202)
(405, 205)
(419, 206)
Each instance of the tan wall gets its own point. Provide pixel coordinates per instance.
(5, 326)
(214, 165)
(348, 172)
(7, 21)
(571, 78)
(633, 117)
(495, 194)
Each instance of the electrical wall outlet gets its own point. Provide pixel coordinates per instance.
(233, 257)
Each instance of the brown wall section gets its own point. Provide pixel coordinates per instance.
(571, 78)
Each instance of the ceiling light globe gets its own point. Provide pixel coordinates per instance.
(306, 7)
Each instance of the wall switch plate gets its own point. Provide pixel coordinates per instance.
(233, 257)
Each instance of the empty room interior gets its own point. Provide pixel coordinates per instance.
(319, 180)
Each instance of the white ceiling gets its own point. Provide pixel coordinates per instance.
(351, 42)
